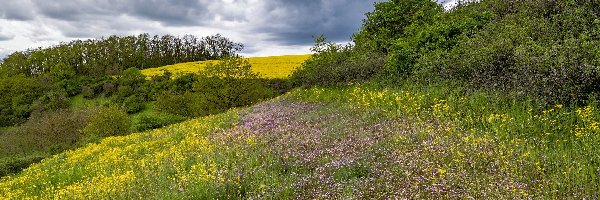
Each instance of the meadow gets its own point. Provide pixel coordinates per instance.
(267, 67)
(360, 141)
(477, 102)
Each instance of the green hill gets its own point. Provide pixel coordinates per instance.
(495, 99)
(356, 142)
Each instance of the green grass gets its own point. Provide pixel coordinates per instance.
(546, 151)
(150, 118)
(360, 141)
(2, 129)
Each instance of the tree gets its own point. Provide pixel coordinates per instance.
(390, 19)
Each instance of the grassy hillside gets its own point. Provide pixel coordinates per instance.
(354, 142)
(478, 102)
(268, 67)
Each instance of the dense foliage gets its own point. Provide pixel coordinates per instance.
(334, 64)
(46, 79)
(547, 50)
(228, 83)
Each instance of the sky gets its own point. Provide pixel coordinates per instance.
(265, 27)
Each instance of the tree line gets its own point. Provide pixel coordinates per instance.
(112, 55)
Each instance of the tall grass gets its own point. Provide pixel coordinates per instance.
(359, 141)
(547, 150)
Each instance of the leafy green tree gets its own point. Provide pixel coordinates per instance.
(231, 83)
(390, 19)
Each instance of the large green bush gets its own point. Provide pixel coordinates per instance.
(334, 64)
(134, 103)
(50, 130)
(14, 164)
(389, 21)
(17, 93)
(231, 83)
(178, 104)
(155, 120)
(528, 52)
(44, 134)
(105, 122)
(547, 50)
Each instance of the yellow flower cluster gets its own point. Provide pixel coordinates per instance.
(268, 67)
(498, 118)
(404, 102)
(174, 157)
(589, 124)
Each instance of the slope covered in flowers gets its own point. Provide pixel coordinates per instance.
(268, 67)
(353, 142)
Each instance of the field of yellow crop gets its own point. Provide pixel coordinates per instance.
(267, 67)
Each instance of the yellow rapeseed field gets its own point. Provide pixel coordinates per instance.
(267, 67)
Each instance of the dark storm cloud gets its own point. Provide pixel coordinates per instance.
(296, 22)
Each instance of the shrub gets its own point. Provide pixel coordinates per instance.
(132, 77)
(279, 85)
(88, 92)
(227, 84)
(334, 64)
(178, 104)
(105, 122)
(155, 120)
(230, 83)
(14, 164)
(218, 94)
(134, 103)
(56, 130)
(516, 56)
(109, 88)
(183, 83)
(433, 40)
(123, 91)
(52, 100)
(390, 19)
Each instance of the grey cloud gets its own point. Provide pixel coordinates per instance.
(290, 22)
(6, 37)
(296, 22)
(281, 22)
(171, 13)
(180, 12)
(81, 10)
(16, 10)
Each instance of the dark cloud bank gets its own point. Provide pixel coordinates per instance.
(283, 22)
